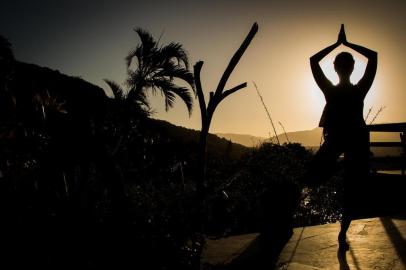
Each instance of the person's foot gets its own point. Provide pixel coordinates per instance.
(342, 242)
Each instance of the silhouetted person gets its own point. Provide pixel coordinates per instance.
(344, 128)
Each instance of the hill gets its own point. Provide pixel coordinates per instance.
(243, 139)
(79, 96)
(216, 145)
(308, 138)
(312, 139)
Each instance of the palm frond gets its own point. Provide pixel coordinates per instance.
(133, 53)
(147, 41)
(169, 90)
(117, 90)
(175, 51)
(184, 94)
(169, 100)
(179, 73)
(138, 96)
(133, 78)
(143, 99)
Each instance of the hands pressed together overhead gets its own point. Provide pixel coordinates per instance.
(342, 38)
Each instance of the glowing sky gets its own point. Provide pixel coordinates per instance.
(91, 38)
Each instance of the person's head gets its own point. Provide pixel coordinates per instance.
(344, 65)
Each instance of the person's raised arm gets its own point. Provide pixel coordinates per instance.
(318, 73)
(366, 82)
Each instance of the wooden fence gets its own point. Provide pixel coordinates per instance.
(392, 127)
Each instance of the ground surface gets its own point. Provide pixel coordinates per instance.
(376, 243)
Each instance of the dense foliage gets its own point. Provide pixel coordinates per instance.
(88, 180)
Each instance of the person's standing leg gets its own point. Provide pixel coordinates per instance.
(356, 173)
(342, 236)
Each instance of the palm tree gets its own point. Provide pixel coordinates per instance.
(138, 105)
(157, 68)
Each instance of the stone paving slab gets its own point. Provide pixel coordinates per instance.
(224, 250)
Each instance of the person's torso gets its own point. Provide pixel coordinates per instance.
(344, 108)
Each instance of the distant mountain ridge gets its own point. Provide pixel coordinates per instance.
(308, 138)
(243, 139)
(311, 139)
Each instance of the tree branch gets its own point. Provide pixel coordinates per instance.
(236, 58)
(233, 90)
(199, 91)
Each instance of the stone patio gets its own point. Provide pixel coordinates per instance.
(375, 243)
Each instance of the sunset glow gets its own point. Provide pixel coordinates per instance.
(196, 135)
(277, 59)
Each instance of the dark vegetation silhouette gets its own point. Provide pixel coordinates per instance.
(88, 180)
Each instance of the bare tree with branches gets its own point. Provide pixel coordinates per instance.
(216, 96)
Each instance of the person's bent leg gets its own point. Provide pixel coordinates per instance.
(323, 164)
(356, 175)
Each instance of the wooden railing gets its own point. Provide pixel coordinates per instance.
(392, 127)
